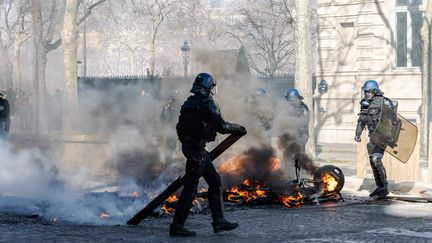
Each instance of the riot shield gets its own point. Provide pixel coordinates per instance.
(395, 134)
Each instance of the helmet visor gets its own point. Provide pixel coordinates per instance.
(369, 94)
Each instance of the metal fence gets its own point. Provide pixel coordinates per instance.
(276, 85)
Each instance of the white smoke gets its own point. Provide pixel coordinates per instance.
(137, 150)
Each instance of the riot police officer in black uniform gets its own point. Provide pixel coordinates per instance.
(369, 116)
(5, 120)
(297, 109)
(198, 123)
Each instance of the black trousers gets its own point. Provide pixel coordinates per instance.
(4, 126)
(375, 155)
(199, 164)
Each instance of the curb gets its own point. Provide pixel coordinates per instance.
(354, 183)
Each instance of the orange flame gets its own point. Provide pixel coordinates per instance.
(234, 165)
(329, 182)
(246, 182)
(166, 209)
(292, 201)
(237, 195)
(135, 194)
(171, 198)
(275, 164)
(104, 215)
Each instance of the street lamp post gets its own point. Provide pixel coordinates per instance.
(185, 53)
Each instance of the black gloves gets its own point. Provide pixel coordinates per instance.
(234, 129)
(357, 138)
(241, 130)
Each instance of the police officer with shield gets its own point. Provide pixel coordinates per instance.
(371, 107)
(199, 121)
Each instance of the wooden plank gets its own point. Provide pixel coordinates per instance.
(224, 145)
(150, 207)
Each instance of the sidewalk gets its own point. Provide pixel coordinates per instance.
(344, 156)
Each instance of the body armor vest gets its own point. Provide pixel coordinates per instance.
(371, 111)
(192, 122)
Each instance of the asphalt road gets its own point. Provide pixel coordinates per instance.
(357, 220)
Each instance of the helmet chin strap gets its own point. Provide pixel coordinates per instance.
(216, 91)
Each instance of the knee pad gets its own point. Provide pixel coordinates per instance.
(375, 160)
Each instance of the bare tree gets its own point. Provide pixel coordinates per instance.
(266, 31)
(156, 11)
(39, 125)
(44, 31)
(303, 73)
(70, 39)
(14, 31)
(190, 17)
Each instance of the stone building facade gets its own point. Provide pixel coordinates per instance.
(360, 40)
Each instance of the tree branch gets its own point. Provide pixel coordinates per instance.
(52, 46)
(89, 11)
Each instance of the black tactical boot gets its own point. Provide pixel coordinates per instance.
(180, 230)
(223, 225)
(380, 192)
(380, 178)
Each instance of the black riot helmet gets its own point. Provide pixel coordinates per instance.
(203, 84)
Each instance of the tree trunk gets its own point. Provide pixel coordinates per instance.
(4, 67)
(153, 49)
(303, 73)
(84, 44)
(39, 126)
(153, 57)
(70, 38)
(426, 80)
(16, 62)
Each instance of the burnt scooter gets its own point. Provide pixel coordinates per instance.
(325, 186)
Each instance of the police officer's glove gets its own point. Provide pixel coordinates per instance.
(357, 138)
(235, 129)
(242, 131)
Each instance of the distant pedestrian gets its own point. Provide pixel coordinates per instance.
(5, 120)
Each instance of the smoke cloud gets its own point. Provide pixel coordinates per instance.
(292, 151)
(257, 165)
(129, 144)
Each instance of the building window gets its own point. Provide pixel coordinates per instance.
(402, 2)
(216, 3)
(409, 19)
(407, 2)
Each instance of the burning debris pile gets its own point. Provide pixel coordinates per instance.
(258, 177)
(254, 177)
